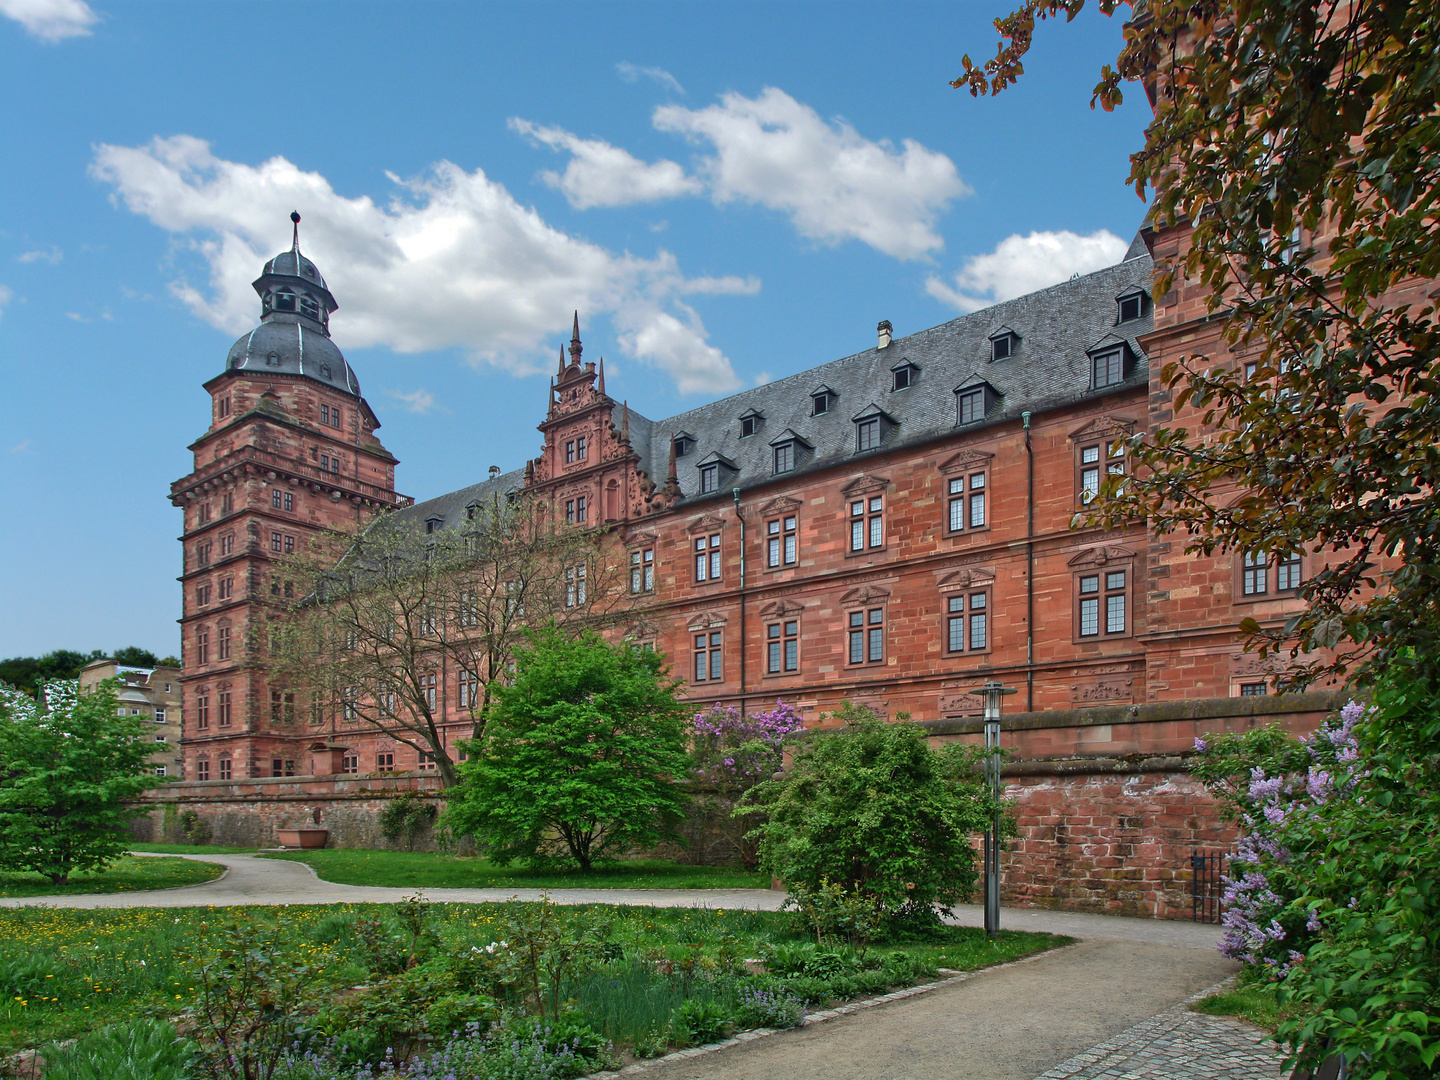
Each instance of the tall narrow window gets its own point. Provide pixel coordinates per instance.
(867, 636)
(972, 405)
(202, 646)
(227, 588)
(967, 622)
(202, 595)
(282, 706)
(707, 557)
(1255, 570)
(642, 570)
(580, 449)
(469, 690)
(430, 688)
(289, 543)
(867, 523)
(780, 545)
(575, 586)
(785, 458)
(581, 514)
(203, 514)
(226, 769)
(709, 479)
(782, 647)
(276, 542)
(202, 769)
(222, 707)
(227, 544)
(967, 502)
(227, 504)
(1287, 572)
(202, 711)
(569, 451)
(325, 415)
(1116, 617)
(202, 553)
(867, 434)
(708, 653)
(223, 643)
(224, 406)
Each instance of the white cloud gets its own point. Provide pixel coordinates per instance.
(599, 174)
(416, 401)
(1022, 264)
(5, 297)
(630, 73)
(21, 447)
(51, 20)
(832, 182)
(52, 256)
(452, 260)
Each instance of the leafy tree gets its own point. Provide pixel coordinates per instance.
(1335, 895)
(134, 656)
(70, 766)
(870, 806)
(582, 754)
(27, 672)
(731, 754)
(1300, 141)
(375, 616)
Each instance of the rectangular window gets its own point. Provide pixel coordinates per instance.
(972, 405)
(202, 769)
(202, 646)
(384, 762)
(1252, 689)
(867, 523)
(225, 405)
(867, 636)
(469, 690)
(580, 514)
(1089, 473)
(782, 647)
(708, 655)
(1115, 621)
(289, 543)
(1287, 572)
(289, 501)
(785, 458)
(1107, 368)
(227, 588)
(161, 739)
(967, 622)
(780, 546)
(222, 708)
(570, 511)
(1255, 571)
(226, 767)
(967, 502)
(277, 542)
(350, 763)
(202, 712)
(427, 761)
(160, 716)
(570, 451)
(1089, 605)
(349, 703)
(227, 503)
(642, 571)
(227, 544)
(202, 595)
(1112, 598)
(707, 557)
(203, 514)
(160, 769)
(575, 586)
(430, 688)
(202, 553)
(223, 644)
(325, 415)
(334, 464)
(709, 479)
(282, 706)
(275, 498)
(867, 434)
(580, 448)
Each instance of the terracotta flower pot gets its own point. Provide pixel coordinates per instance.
(302, 838)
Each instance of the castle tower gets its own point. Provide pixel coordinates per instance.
(290, 451)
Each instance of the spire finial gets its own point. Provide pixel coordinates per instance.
(561, 370)
(575, 349)
(602, 375)
(295, 243)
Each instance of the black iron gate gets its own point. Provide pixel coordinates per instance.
(1205, 885)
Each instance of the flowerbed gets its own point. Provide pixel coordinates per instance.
(356, 992)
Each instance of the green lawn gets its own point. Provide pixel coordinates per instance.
(125, 874)
(190, 849)
(66, 971)
(426, 870)
(1253, 1002)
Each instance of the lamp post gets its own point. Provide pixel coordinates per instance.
(992, 692)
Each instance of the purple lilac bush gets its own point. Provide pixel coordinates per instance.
(731, 754)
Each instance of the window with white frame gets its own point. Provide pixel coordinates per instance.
(707, 557)
(1103, 607)
(575, 586)
(642, 570)
(967, 621)
(867, 434)
(780, 541)
(971, 405)
(709, 479)
(708, 650)
(867, 523)
(966, 504)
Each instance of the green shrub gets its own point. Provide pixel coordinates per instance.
(760, 1007)
(193, 828)
(405, 818)
(569, 1039)
(458, 1013)
(698, 1022)
(36, 977)
(140, 1050)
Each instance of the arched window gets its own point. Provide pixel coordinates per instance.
(284, 300)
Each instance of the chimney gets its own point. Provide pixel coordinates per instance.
(885, 333)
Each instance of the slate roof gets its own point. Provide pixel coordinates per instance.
(1049, 368)
(452, 509)
(290, 344)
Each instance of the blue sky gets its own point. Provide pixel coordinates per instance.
(728, 192)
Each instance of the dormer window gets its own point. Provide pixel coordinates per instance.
(273, 360)
(1132, 305)
(1003, 344)
(867, 433)
(903, 375)
(972, 405)
(284, 300)
(750, 423)
(684, 443)
(821, 400)
(715, 473)
(471, 509)
(325, 371)
(432, 524)
(791, 451)
(309, 307)
(709, 479)
(1107, 368)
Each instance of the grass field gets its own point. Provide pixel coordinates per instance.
(1252, 1002)
(190, 849)
(123, 875)
(64, 971)
(426, 870)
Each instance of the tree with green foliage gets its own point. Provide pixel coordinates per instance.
(583, 754)
(872, 807)
(70, 768)
(1300, 142)
(28, 672)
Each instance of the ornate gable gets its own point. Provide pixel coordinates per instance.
(866, 594)
(641, 631)
(968, 578)
(708, 523)
(783, 505)
(1104, 426)
(640, 539)
(966, 460)
(707, 620)
(1100, 556)
(865, 484)
(782, 609)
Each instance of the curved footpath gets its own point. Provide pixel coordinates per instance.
(1111, 1006)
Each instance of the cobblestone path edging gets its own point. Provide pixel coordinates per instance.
(1178, 1044)
(821, 1017)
